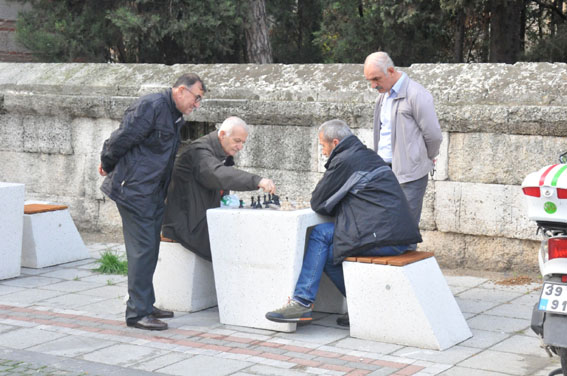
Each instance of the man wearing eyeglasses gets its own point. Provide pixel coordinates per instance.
(137, 160)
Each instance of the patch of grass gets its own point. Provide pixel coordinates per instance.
(112, 263)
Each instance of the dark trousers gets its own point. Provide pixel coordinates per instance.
(414, 192)
(142, 239)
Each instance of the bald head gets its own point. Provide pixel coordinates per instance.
(230, 123)
(379, 70)
(380, 60)
(232, 135)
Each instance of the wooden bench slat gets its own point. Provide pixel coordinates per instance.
(400, 260)
(410, 257)
(42, 208)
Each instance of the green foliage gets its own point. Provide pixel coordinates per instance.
(294, 23)
(411, 31)
(301, 31)
(136, 31)
(65, 30)
(178, 31)
(112, 263)
(551, 48)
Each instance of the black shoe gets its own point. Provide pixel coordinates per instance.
(343, 320)
(161, 313)
(148, 323)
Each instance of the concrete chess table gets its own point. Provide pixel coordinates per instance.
(257, 256)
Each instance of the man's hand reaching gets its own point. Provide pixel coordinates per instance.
(267, 185)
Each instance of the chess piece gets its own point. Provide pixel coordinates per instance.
(258, 203)
(276, 200)
(241, 204)
(252, 204)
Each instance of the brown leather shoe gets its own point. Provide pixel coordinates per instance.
(161, 313)
(148, 323)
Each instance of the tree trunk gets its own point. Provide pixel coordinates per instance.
(505, 29)
(485, 44)
(258, 47)
(459, 36)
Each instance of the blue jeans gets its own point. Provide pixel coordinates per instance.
(319, 258)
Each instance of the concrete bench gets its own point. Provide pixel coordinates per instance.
(403, 300)
(11, 227)
(183, 281)
(50, 237)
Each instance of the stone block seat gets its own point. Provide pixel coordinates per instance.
(11, 227)
(183, 281)
(403, 300)
(50, 237)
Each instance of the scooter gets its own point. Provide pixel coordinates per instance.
(546, 194)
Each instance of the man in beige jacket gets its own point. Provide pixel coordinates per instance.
(407, 134)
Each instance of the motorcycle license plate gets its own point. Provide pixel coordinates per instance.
(553, 298)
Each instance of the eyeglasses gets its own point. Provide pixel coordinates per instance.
(197, 97)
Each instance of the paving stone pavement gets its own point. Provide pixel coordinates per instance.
(68, 320)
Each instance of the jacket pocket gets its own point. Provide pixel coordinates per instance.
(160, 141)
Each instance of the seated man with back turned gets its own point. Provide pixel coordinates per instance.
(371, 218)
(200, 174)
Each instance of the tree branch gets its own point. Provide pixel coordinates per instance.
(551, 7)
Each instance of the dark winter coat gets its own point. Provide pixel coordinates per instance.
(139, 155)
(199, 175)
(368, 204)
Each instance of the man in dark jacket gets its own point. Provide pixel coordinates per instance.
(137, 161)
(200, 174)
(372, 218)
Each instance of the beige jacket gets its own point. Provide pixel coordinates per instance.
(416, 134)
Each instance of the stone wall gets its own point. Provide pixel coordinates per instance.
(499, 122)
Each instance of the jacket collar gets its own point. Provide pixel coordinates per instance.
(402, 92)
(404, 87)
(174, 111)
(346, 143)
(213, 139)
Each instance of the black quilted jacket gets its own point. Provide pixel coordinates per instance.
(368, 204)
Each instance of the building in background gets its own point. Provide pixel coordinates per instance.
(10, 50)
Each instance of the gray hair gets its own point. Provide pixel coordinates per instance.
(381, 60)
(229, 123)
(334, 129)
(188, 80)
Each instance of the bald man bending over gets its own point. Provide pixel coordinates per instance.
(200, 174)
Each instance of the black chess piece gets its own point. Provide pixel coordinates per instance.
(241, 204)
(258, 203)
(252, 203)
(276, 200)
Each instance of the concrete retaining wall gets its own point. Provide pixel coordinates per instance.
(500, 122)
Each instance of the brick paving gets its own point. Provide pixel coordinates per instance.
(52, 322)
(225, 344)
